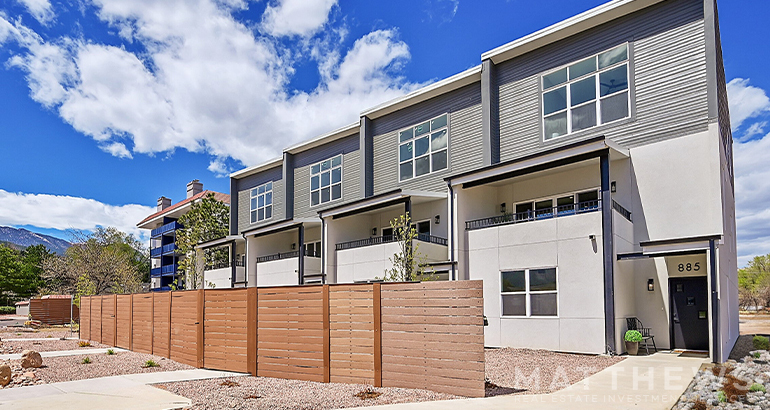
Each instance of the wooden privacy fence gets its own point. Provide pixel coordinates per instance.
(425, 335)
(53, 310)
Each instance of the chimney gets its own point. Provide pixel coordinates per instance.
(194, 187)
(163, 203)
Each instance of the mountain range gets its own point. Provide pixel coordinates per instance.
(23, 238)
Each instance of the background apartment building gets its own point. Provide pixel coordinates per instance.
(584, 172)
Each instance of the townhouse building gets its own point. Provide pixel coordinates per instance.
(163, 226)
(584, 172)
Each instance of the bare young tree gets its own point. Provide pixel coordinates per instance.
(408, 262)
(208, 219)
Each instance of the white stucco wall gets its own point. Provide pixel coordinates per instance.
(218, 278)
(562, 243)
(277, 273)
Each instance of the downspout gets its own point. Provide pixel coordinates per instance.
(451, 228)
(716, 354)
(233, 277)
(323, 251)
(301, 260)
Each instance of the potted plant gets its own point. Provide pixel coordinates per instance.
(633, 337)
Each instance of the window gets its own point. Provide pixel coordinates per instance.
(587, 93)
(422, 148)
(530, 292)
(565, 205)
(326, 181)
(313, 249)
(422, 229)
(262, 202)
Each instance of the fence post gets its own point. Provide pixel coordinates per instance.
(115, 320)
(152, 323)
(131, 322)
(101, 319)
(170, 299)
(199, 333)
(377, 305)
(251, 330)
(326, 348)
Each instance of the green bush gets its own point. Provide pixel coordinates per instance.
(151, 363)
(757, 387)
(7, 310)
(757, 355)
(761, 343)
(633, 336)
(110, 352)
(721, 396)
(86, 360)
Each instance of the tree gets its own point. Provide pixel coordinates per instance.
(208, 219)
(20, 271)
(10, 270)
(754, 282)
(103, 262)
(408, 261)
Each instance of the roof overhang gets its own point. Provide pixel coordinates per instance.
(257, 168)
(560, 156)
(343, 132)
(281, 226)
(566, 28)
(672, 247)
(219, 242)
(380, 201)
(444, 86)
(175, 213)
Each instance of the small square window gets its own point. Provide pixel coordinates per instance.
(515, 305)
(513, 281)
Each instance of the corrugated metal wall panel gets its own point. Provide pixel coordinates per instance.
(464, 108)
(669, 81)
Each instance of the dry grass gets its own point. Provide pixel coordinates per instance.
(367, 394)
(229, 383)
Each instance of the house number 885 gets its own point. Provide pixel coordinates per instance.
(689, 267)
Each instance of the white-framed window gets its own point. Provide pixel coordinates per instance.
(529, 292)
(313, 249)
(423, 148)
(262, 202)
(560, 205)
(326, 181)
(587, 93)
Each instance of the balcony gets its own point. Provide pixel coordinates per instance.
(155, 272)
(170, 248)
(280, 256)
(165, 229)
(156, 252)
(536, 215)
(169, 269)
(377, 240)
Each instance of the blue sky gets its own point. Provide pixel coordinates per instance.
(109, 104)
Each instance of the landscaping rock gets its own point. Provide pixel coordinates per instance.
(5, 375)
(31, 358)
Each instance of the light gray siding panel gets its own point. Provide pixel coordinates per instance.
(351, 186)
(244, 207)
(668, 80)
(465, 139)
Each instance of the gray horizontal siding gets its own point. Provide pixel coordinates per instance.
(326, 151)
(668, 79)
(465, 143)
(351, 185)
(244, 205)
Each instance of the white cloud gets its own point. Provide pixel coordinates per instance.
(752, 197)
(218, 167)
(755, 129)
(746, 101)
(296, 17)
(68, 212)
(204, 81)
(39, 9)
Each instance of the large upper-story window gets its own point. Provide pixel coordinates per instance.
(326, 181)
(587, 93)
(422, 148)
(262, 202)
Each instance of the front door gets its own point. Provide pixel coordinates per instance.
(689, 313)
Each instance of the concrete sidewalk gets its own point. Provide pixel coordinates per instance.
(59, 353)
(116, 392)
(640, 383)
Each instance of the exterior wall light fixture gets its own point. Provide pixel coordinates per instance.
(651, 285)
(293, 246)
(613, 187)
(502, 208)
(374, 231)
(437, 219)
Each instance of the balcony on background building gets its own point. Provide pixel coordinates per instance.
(165, 229)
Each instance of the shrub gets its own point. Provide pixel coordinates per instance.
(7, 310)
(633, 336)
(761, 343)
(151, 363)
(110, 352)
(757, 387)
(84, 343)
(721, 396)
(86, 360)
(757, 355)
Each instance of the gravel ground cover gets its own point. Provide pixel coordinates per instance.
(501, 367)
(68, 368)
(266, 393)
(743, 347)
(528, 371)
(742, 384)
(27, 333)
(7, 347)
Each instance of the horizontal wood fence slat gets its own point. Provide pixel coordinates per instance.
(425, 335)
(53, 311)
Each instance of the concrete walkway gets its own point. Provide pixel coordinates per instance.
(38, 339)
(641, 383)
(114, 392)
(59, 353)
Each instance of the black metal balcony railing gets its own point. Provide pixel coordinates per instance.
(224, 264)
(171, 226)
(536, 215)
(240, 263)
(377, 240)
(622, 211)
(282, 255)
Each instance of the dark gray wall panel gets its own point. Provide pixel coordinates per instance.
(243, 196)
(351, 186)
(668, 80)
(272, 174)
(326, 151)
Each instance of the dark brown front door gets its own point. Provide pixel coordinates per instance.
(689, 313)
